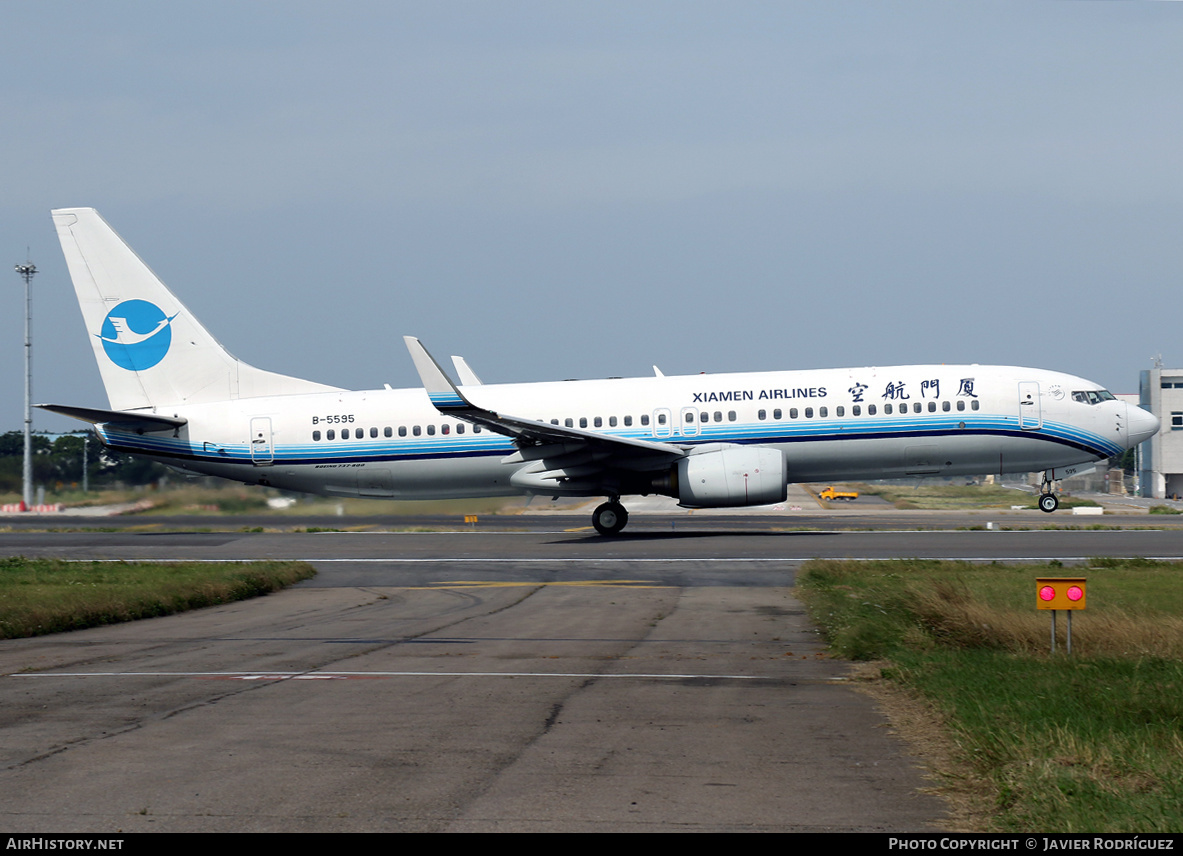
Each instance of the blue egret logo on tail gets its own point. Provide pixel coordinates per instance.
(136, 334)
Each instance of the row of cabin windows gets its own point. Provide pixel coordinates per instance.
(403, 430)
(872, 409)
(459, 428)
(662, 419)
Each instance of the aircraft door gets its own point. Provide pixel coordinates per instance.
(1030, 410)
(262, 450)
(690, 422)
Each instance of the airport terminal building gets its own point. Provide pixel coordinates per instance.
(1160, 464)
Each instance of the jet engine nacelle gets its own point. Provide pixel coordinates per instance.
(731, 476)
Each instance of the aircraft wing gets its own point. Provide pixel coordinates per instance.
(530, 433)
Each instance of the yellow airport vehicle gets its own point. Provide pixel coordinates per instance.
(846, 495)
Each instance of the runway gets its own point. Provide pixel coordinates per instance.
(540, 680)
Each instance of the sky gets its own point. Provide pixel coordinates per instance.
(560, 189)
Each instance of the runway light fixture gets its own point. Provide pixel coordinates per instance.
(1056, 593)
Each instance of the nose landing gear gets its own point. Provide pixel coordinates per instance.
(1047, 500)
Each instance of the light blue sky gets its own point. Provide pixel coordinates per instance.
(584, 189)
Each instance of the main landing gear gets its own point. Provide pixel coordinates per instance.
(1047, 500)
(610, 518)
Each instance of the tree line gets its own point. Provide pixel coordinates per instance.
(57, 463)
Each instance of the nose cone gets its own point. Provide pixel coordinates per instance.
(1142, 425)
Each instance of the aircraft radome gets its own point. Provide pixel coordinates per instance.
(175, 395)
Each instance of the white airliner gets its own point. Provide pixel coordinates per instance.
(708, 440)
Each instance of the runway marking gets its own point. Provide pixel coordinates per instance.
(320, 676)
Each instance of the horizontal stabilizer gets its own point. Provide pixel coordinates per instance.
(120, 420)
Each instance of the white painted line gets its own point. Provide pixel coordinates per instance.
(627, 561)
(288, 676)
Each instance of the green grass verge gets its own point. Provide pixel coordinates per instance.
(943, 496)
(1087, 743)
(40, 596)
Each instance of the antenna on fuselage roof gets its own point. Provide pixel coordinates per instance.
(657, 372)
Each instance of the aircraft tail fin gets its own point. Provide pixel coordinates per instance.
(150, 349)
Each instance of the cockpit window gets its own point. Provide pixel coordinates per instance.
(1093, 396)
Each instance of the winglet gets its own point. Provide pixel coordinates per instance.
(439, 387)
(464, 371)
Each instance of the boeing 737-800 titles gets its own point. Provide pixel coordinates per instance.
(177, 396)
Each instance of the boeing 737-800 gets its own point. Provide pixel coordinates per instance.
(710, 440)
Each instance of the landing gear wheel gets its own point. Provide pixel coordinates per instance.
(609, 518)
(1048, 502)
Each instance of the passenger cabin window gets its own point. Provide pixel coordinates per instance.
(776, 414)
(315, 435)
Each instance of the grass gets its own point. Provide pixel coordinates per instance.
(39, 596)
(943, 496)
(1092, 742)
(215, 498)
